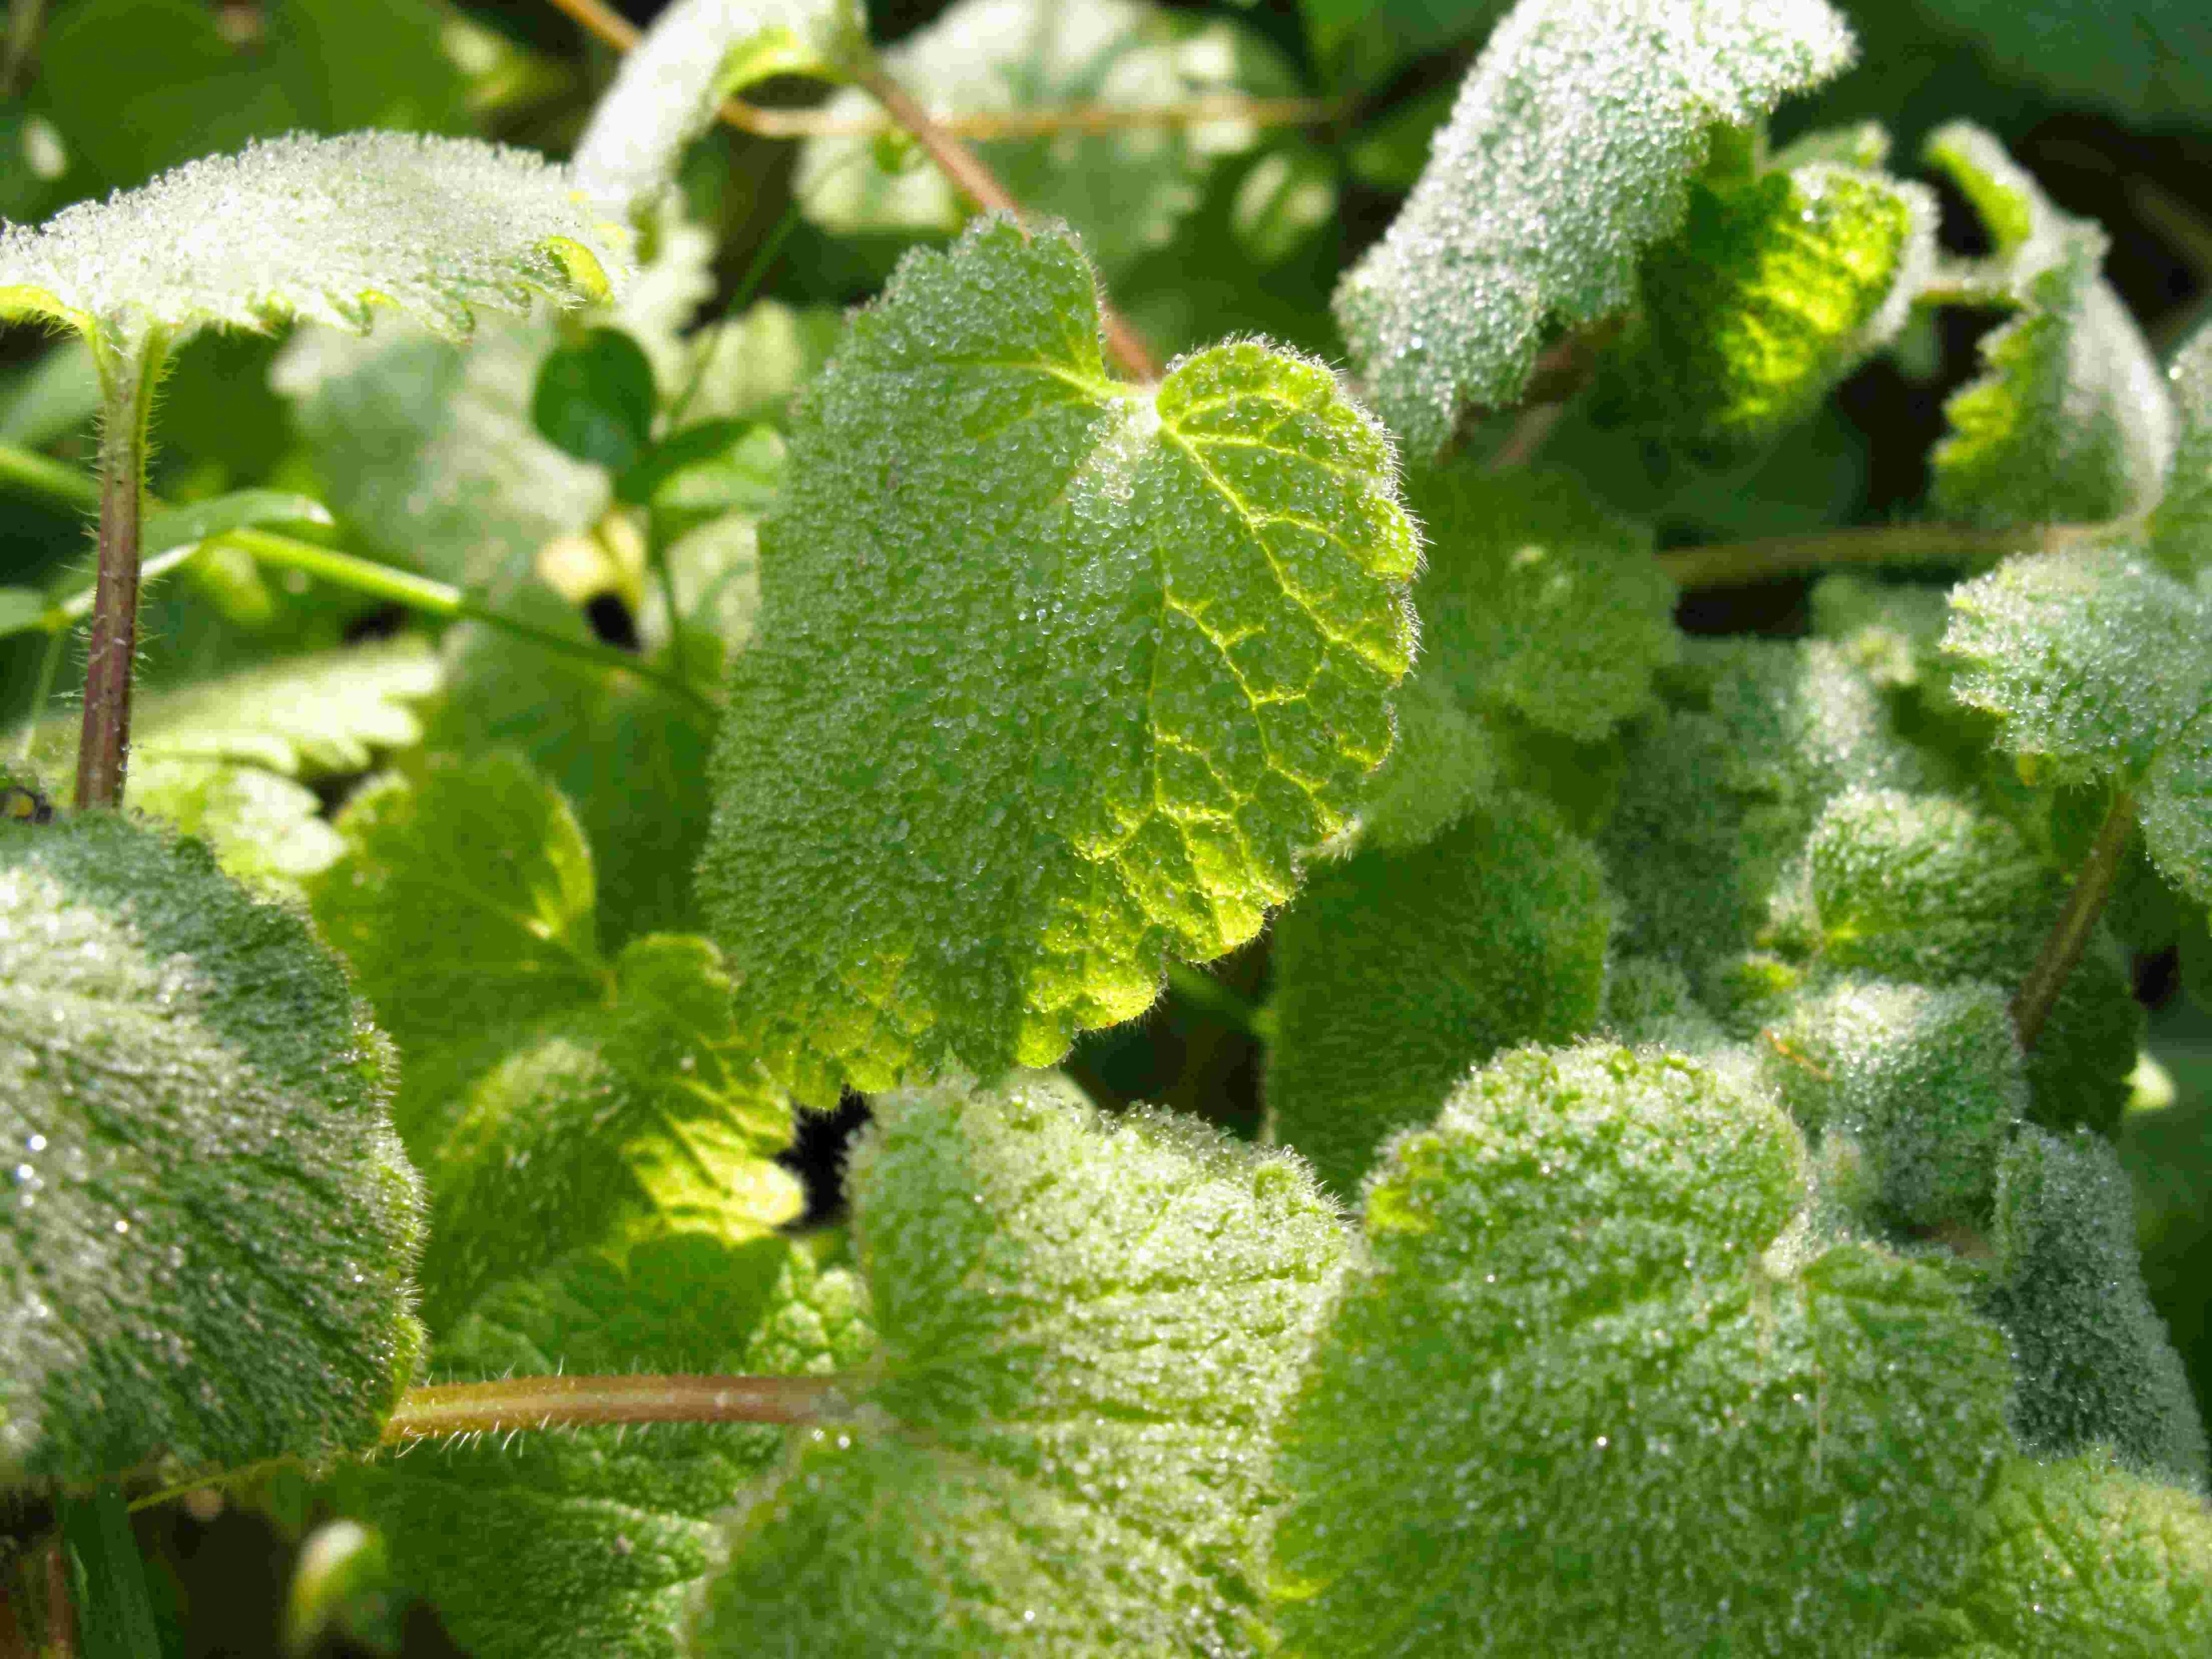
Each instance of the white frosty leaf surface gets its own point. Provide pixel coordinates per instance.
(1570, 152)
(328, 229)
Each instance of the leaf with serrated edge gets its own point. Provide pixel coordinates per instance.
(1565, 1407)
(1054, 675)
(194, 1104)
(327, 229)
(1086, 1326)
(2071, 422)
(1570, 152)
(2071, 1559)
(697, 53)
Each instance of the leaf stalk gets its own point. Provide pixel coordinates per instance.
(571, 1402)
(2077, 918)
(127, 379)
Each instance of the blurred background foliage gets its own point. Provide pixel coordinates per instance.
(1203, 233)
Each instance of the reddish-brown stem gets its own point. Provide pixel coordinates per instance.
(571, 1402)
(127, 379)
(2077, 918)
(969, 174)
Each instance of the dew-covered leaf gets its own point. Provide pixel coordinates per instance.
(2096, 1368)
(1397, 972)
(1054, 677)
(1566, 1407)
(1086, 1327)
(2071, 422)
(2180, 530)
(697, 53)
(327, 229)
(1777, 286)
(1570, 153)
(1125, 192)
(194, 1110)
(1926, 1085)
(630, 754)
(591, 1543)
(2071, 1559)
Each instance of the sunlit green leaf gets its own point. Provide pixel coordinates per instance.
(1087, 1326)
(1054, 677)
(1571, 152)
(195, 1109)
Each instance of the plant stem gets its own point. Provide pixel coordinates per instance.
(2069, 934)
(968, 172)
(569, 1402)
(126, 379)
(1730, 564)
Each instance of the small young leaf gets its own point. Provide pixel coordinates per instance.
(595, 399)
(2073, 1559)
(2071, 422)
(195, 1106)
(2096, 1367)
(1570, 153)
(1086, 1327)
(1123, 192)
(1565, 1407)
(1775, 288)
(1397, 972)
(327, 229)
(1055, 677)
(697, 53)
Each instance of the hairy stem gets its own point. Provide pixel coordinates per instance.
(968, 172)
(126, 384)
(1730, 564)
(2069, 934)
(572, 1403)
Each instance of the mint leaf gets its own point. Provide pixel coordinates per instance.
(194, 1109)
(1775, 287)
(1571, 152)
(2180, 530)
(1145, 639)
(592, 1543)
(1124, 192)
(697, 53)
(2096, 1367)
(1396, 972)
(1564, 1406)
(1087, 1325)
(2071, 422)
(2075, 1558)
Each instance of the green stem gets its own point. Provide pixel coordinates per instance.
(2069, 934)
(68, 487)
(126, 383)
(570, 1402)
(1733, 564)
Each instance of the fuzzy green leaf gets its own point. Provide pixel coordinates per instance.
(1055, 677)
(2074, 1559)
(1397, 972)
(592, 1543)
(697, 53)
(1086, 1328)
(328, 229)
(1125, 192)
(1566, 1407)
(1570, 153)
(194, 1106)
(2180, 532)
(1775, 287)
(2096, 1367)
(2071, 422)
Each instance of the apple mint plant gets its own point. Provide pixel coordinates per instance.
(1694, 1207)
